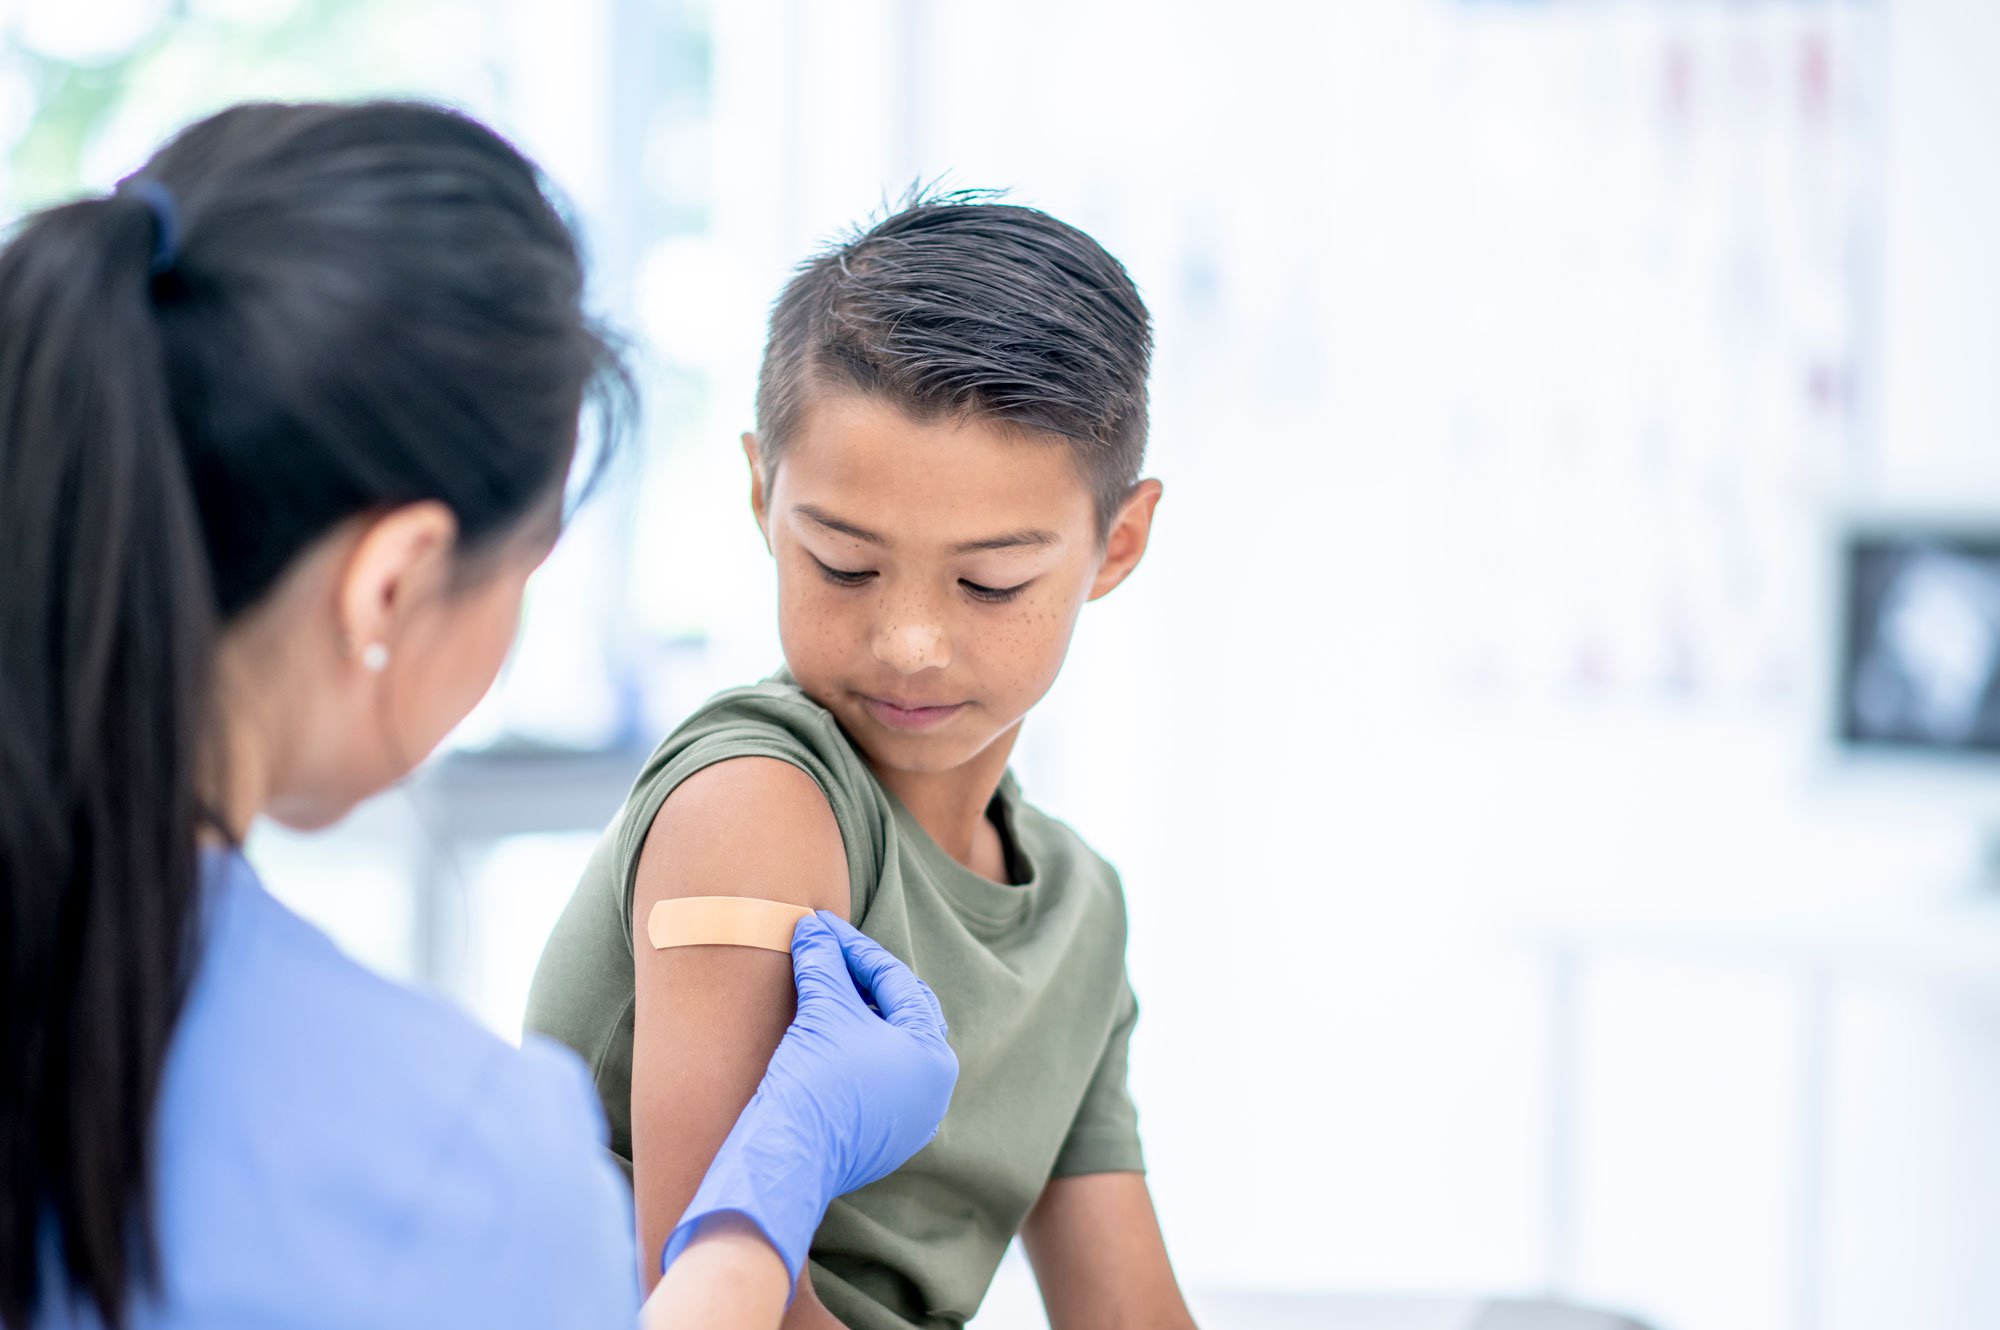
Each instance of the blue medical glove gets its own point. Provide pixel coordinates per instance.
(848, 1097)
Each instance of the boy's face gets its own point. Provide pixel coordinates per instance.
(930, 574)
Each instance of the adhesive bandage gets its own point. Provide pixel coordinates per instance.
(723, 921)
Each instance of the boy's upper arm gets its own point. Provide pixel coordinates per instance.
(1093, 1236)
(1099, 1256)
(706, 1019)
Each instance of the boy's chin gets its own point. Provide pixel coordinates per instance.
(914, 754)
(919, 754)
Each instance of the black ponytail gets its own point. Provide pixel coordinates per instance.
(106, 629)
(363, 306)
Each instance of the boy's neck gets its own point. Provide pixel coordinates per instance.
(951, 805)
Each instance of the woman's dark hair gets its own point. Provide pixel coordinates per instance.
(291, 316)
(958, 306)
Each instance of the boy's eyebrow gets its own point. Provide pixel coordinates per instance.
(822, 517)
(1027, 538)
(1010, 540)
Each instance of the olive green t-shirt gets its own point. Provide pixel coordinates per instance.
(1031, 977)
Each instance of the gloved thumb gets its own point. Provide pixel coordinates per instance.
(819, 970)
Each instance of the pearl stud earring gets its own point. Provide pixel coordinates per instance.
(375, 657)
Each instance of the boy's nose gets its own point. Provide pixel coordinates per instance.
(912, 645)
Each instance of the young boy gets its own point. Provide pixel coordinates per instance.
(951, 418)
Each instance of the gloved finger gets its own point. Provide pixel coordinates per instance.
(869, 963)
(819, 966)
(904, 1000)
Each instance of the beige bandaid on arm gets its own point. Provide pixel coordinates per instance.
(723, 921)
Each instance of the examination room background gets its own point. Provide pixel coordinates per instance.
(1521, 366)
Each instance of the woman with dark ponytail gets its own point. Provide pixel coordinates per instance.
(285, 425)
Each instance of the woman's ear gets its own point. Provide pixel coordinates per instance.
(759, 496)
(398, 561)
(1125, 543)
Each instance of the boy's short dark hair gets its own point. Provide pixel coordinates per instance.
(956, 305)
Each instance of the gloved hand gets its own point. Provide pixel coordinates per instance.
(848, 1097)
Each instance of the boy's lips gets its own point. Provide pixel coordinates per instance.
(910, 716)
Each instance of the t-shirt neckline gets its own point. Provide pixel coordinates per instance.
(994, 902)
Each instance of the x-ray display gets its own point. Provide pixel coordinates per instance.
(1920, 661)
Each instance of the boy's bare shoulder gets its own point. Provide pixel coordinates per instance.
(745, 826)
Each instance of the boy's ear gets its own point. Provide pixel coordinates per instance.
(1125, 543)
(754, 456)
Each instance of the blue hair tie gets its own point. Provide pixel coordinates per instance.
(166, 221)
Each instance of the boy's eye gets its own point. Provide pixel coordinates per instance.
(839, 577)
(992, 594)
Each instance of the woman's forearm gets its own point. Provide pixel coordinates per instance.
(729, 1278)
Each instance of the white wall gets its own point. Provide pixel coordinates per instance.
(1941, 335)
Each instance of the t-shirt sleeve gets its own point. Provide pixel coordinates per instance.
(755, 726)
(1104, 1138)
(527, 1221)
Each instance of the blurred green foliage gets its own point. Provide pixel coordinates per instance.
(198, 58)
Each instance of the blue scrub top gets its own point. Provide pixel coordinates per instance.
(337, 1151)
